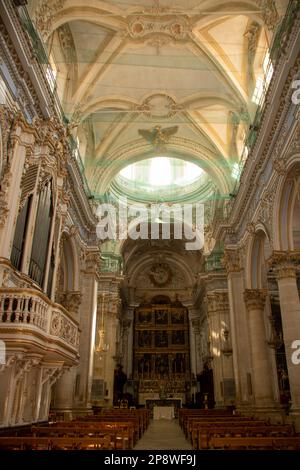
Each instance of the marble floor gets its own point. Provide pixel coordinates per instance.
(163, 434)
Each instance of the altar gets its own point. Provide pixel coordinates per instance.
(163, 412)
(164, 404)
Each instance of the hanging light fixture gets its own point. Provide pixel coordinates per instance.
(102, 346)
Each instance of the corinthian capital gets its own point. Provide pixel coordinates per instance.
(255, 298)
(231, 261)
(285, 263)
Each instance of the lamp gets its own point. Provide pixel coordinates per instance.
(102, 346)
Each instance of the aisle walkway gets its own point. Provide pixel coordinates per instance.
(163, 434)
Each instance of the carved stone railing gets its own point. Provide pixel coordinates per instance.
(20, 307)
(36, 314)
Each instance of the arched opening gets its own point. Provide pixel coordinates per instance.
(287, 217)
(67, 291)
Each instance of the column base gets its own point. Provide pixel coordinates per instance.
(67, 414)
(294, 418)
(276, 414)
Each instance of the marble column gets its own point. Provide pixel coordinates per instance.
(88, 318)
(111, 323)
(285, 265)
(65, 392)
(261, 378)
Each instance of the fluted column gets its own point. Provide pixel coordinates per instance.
(285, 265)
(218, 313)
(261, 378)
(88, 318)
(238, 327)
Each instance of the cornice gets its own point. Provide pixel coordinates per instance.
(30, 72)
(268, 142)
(80, 196)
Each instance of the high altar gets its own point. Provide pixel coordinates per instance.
(161, 354)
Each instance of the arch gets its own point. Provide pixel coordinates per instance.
(259, 251)
(176, 261)
(285, 206)
(69, 264)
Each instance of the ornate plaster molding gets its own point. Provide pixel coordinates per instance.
(285, 264)
(232, 260)
(255, 298)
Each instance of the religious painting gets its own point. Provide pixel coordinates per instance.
(162, 364)
(161, 339)
(144, 338)
(144, 366)
(178, 365)
(145, 317)
(161, 317)
(178, 337)
(177, 317)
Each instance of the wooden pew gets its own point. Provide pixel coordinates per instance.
(55, 443)
(188, 426)
(255, 443)
(122, 435)
(201, 438)
(119, 419)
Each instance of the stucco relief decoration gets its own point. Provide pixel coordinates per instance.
(68, 331)
(55, 324)
(167, 27)
(159, 105)
(160, 274)
(44, 15)
(269, 13)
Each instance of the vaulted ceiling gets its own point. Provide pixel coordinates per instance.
(124, 66)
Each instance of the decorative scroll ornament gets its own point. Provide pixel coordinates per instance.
(44, 15)
(269, 13)
(166, 28)
(159, 106)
